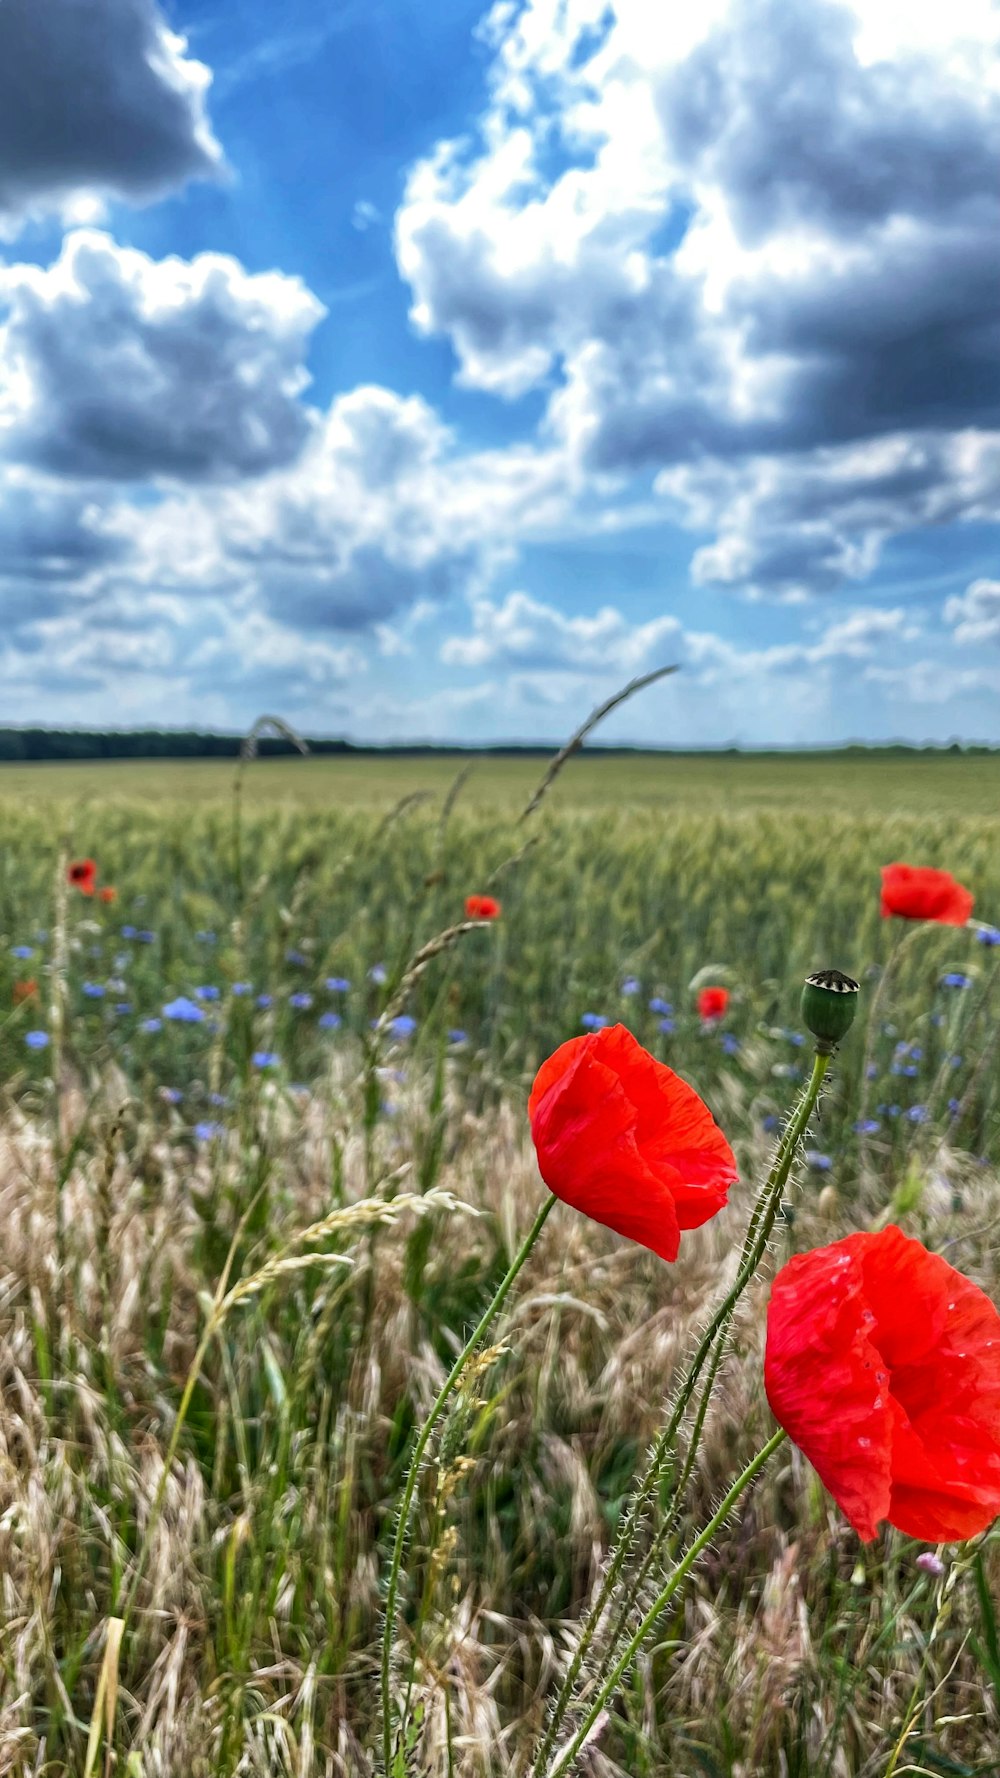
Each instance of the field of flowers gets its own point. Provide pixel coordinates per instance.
(264, 1157)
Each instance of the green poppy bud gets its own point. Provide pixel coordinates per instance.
(829, 1003)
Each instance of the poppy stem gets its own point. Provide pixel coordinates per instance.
(416, 1462)
(754, 1245)
(613, 1679)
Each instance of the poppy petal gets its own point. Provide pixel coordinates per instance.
(826, 1383)
(583, 1125)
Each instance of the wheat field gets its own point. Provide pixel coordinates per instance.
(244, 1242)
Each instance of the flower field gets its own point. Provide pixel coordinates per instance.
(267, 1153)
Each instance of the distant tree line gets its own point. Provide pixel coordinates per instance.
(27, 744)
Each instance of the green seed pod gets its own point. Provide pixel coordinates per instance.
(829, 1003)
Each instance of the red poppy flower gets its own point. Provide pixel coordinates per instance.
(712, 1003)
(883, 1365)
(108, 893)
(481, 907)
(916, 892)
(83, 875)
(23, 991)
(623, 1138)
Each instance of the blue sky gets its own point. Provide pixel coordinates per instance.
(429, 370)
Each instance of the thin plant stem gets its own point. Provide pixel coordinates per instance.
(419, 1450)
(613, 1679)
(754, 1245)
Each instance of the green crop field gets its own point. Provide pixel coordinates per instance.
(265, 1157)
(862, 781)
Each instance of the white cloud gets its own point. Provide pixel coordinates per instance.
(975, 613)
(115, 364)
(522, 632)
(737, 243)
(98, 99)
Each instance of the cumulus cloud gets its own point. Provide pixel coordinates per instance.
(98, 98)
(529, 637)
(520, 631)
(379, 514)
(737, 244)
(114, 364)
(975, 614)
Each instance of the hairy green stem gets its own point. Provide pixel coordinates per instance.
(613, 1679)
(754, 1244)
(416, 1461)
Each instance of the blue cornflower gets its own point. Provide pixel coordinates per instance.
(265, 1059)
(818, 1163)
(206, 993)
(93, 990)
(937, 1018)
(770, 1122)
(171, 1095)
(893, 1111)
(871, 1071)
(338, 984)
(37, 1040)
(667, 1027)
(919, 1114)
(630, 985)
(240, 989)
(184, 1010)
(954, 1106)
(593, 1021)
(954, 1061)
(458, 1037)
(123, 1006)
(294, 956)
(205, 938)
(378, 973)
(403, 1025)
(955, 979)
(730, 1044)
(265, 1000)
(867, 1126)
(146, 938)
(988, 935)
(22, 951)
(328, 1021)
(794, 1037)
(129, 932)
(206, 1132)
(151, 1026)
(661, 1006)
(217, 1098)
(301, 1002)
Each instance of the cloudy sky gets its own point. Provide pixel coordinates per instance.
(412, 369)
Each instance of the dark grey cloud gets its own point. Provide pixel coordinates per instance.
(97, 97)
(363, 587)
(776, 108)
(57, 547)
(121, 366)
